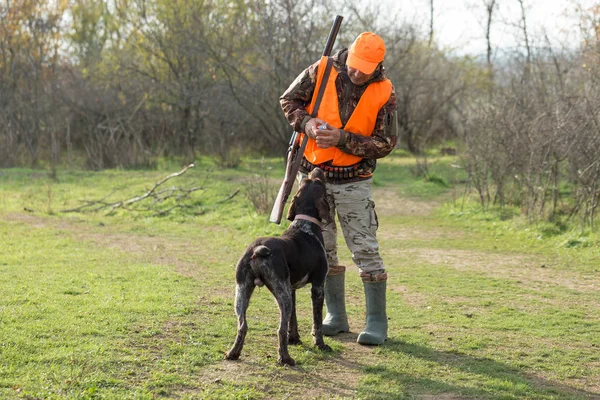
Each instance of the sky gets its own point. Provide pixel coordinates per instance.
(460, 23)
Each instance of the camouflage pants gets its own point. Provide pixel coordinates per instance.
(355, 209)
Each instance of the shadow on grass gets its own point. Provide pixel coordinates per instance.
(396, 370)
(483, 377)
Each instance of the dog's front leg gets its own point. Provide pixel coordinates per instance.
(318, 295)
(243, 291)
(293, 335)
(283, 295)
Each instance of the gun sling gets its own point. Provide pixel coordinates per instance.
(323, 85)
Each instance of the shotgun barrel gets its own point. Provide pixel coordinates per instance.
(335, 29)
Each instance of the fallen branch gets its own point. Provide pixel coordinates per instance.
(178, 193)
(151, 191)
(231, 196)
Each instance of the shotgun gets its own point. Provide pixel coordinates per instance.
(296, 149)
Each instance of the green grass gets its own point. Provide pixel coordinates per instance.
(442, 174)
(78, 320)
(567, 245)
(135, 306)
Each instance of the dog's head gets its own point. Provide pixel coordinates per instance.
(310, 199)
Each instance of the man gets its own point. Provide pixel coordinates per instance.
(355, 125)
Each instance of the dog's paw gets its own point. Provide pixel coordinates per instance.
(294, 340)
(231, 356)
(286, 361)
(325, 347)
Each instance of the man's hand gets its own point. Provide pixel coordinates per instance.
(312, 127)
(328, 136)
(324, 134)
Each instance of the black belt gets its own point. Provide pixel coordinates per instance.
(331, 171)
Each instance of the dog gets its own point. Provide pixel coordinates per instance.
(287, 263)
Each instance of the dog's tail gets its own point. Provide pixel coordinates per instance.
(260, 255)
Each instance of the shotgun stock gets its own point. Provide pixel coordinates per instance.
(296, 149)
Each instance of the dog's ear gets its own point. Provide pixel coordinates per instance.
(317, 173)
(293, 206)
(318, 177)
(323, 210)
(292, 210)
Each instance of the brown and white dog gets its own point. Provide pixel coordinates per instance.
(286, 263)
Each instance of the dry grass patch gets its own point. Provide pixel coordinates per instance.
(389, 203)
(527, 269)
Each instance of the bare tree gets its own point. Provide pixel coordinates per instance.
(490, 7)
(526, 40)
(431, 31)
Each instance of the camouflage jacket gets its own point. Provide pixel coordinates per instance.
(384, 137)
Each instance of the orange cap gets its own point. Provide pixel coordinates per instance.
(367, 51)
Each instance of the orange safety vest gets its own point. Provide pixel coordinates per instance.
(362, 121)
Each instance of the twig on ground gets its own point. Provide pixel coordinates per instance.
(179, 194)
(231, 196)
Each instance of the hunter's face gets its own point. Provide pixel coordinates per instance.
(357, 77)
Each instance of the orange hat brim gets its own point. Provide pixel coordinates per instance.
(364, 66)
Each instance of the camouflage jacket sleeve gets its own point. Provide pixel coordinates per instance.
(293, 101)
(384, 137)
